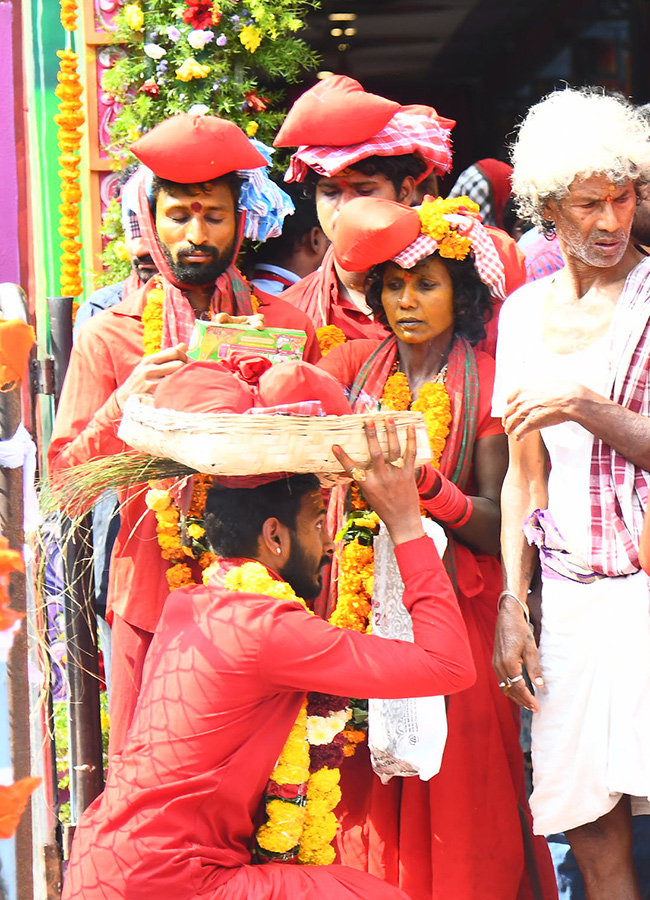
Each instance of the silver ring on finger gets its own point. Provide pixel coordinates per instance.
(511, 681)
(398, 463)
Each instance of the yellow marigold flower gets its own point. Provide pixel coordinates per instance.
(133, 16)
(282, 831)
(397, 393)
(370, 521)
(195, 531)
(210, 570)
(192, 69)
(207, 560)
(157, 500)
(252, 128)
(323, 780)
(329, 337)
(454, 246)
(119, 248)
(250, 37)
(318, 833)
(323, 857)
(178, 576)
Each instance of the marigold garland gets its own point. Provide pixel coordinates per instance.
(180, 538)
(432, 401)
(69, 14)
(69, 120)
(329, 337)
(303, 789)
(356, 557)
(434, 224)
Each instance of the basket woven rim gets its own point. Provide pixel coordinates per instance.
(143, 413)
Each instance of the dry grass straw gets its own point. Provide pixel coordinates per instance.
(75, 490)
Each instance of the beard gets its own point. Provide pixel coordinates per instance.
(299, 572)
(199, 274)
(144, 267)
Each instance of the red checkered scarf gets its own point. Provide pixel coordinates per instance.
(231, 293)
(618, 488)
(486, 259)
(322, 289)
(404, 133)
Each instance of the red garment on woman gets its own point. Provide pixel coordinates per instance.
(318, 296)
(466, 833)
(224, 679)
(108, 348)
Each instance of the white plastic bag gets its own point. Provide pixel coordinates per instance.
(405, 737)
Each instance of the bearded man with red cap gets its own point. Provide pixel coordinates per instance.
(352, 143)
(203, 167)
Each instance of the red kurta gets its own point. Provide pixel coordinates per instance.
(107, 350)
(224, 680)
(466, 833)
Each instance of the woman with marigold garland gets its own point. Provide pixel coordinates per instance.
(466, 833)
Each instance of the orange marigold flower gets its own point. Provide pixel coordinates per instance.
(329, 337)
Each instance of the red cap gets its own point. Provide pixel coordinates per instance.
(204, 386)
(370, 230)
(189, 149)
(297, 381)
(418, 109)
(336, 112)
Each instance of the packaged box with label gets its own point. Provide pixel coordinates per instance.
(211, 340)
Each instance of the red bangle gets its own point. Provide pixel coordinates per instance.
(429, 478)
(465, 519)
(450, 505)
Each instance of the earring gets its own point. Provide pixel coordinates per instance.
(278, 550)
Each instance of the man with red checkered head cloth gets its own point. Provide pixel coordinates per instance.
(192, 210)
(352, 143)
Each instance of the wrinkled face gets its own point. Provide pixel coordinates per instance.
(333, 193)
(143, 264)
(197, 232)
(593, 222)
(419, 302)
(311, 548)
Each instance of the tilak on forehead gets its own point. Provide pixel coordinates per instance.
(196, 206)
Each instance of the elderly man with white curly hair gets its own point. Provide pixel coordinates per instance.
(573, 388)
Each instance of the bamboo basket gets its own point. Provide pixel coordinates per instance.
(232, 444)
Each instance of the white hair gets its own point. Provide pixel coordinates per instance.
(576, 133)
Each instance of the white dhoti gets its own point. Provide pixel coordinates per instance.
(591, 737)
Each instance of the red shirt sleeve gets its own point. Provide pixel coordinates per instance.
(345, 361)
(88, 415)
(303, 652)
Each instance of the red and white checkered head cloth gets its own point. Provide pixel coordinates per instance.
(337, 124)
(370, 230)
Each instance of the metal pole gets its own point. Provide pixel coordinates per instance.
(86, 764)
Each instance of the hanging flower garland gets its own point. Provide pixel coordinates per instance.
(181, 538)
(432, 401)
(69, 120)
(69, 14)
(303, 789)
(357, 558)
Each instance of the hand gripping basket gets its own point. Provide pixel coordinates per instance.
(231, 444)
